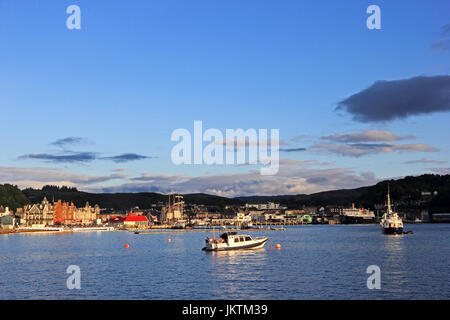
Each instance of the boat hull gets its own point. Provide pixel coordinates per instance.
(391, 230)
(357, 220)
(256, 245)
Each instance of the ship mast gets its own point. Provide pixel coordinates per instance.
(389, 209)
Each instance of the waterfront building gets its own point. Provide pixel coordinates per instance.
(242, 218)
(135, 221)
(87, 214)
(9, 221)
(199, 212)
(63, 213)
(294, 212)
(47, 213)
(37, 215)
(277, 218)
(257, 216)
(311, 210)
(4, 211)
(106, 217)
(269, 216)
(263, 206)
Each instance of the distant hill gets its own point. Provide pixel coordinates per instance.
(344, 197)
(406, 194)
(12, 197)
(121, 201)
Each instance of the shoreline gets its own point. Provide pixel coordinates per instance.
(174, 231)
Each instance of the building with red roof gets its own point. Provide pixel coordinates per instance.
(136, 221)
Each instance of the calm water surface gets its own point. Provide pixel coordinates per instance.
(315, 262)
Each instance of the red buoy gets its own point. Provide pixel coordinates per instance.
(126, 245)
(278, 246)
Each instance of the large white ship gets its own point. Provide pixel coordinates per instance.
(357, 215)
(391, 223)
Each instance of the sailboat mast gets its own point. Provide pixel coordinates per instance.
(168, 211)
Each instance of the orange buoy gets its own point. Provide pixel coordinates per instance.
(278, 246)
(270, 247)
(126, 245)
(169, 240)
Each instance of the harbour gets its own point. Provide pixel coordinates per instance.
(314, 262)
(230, 152)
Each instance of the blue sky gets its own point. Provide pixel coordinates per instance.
(137, 70)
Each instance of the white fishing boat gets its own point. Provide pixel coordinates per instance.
(391, 223)
(233, 241)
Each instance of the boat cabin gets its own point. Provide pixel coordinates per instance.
(233, 237)
(234, 241)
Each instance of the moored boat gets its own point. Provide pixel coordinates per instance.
(391, 223)
(233, 241)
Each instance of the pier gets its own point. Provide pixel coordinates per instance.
(173, 231)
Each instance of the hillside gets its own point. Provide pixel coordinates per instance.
(406, 194)
(121, 201)
(343, 197)
(12, 197)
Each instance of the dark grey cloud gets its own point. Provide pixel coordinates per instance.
(81, 157)
(65, 158)
(68, 156)
(70, 141)
(126, 157)
(389, 100)
(292, 149)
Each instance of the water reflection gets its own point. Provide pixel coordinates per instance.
(394, 247)
(234, 271)
(394, 268)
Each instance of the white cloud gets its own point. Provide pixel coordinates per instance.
(366, 136)
(39, 176)
(294, 177)
(423, 161)
(360, 149)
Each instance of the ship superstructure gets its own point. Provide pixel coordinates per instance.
(391, 223)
